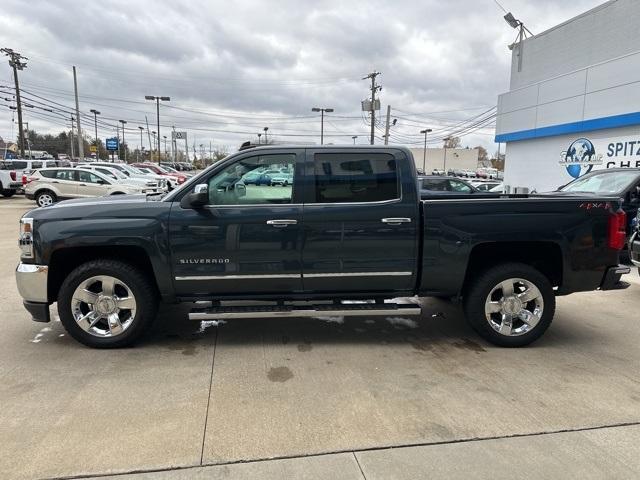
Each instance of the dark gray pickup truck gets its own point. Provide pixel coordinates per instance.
(346, 236)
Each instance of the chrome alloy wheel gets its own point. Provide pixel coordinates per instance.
(44, 199)
(103, 306)
(514, 307)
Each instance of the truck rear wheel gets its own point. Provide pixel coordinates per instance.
(107, 304)
(510, 305)
(8, 193)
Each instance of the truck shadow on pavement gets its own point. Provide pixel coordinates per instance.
(441, 327)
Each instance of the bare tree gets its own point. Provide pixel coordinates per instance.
(452, 142)
(483, 155)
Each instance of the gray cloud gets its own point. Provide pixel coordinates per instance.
(260, 60)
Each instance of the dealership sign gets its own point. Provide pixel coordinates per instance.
(583, 155)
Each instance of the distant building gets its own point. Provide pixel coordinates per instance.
(574, 102)
(456, 158)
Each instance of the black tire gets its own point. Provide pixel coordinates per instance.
(480, 289)
(42, 193)
(143, 290)
(8, 193)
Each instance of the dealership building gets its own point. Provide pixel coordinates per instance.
(574, 99)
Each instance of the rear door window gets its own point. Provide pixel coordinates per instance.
(355, 177)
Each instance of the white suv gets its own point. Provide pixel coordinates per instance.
(129, 171)
(148, 184)
(48, 185)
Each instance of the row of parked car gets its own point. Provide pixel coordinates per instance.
(486, 173)
(46, 182)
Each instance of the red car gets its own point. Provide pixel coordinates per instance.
(173, 179)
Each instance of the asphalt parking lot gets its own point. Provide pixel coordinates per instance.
(321, 398)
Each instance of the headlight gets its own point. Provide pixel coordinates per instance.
(25, 241)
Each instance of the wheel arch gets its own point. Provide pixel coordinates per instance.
(63, 261)
(544, 256)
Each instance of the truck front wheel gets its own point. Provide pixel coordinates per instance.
(510, 305)
(107, 303)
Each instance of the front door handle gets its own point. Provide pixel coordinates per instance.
(395, 221)
(281, 222)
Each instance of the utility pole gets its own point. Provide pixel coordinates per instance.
(28, 141)
(124, 145)
(73, 153)
(80, 140)
(173, 144)
(149, 137)
(95, 123)
(16, 61)
(374, 88)
(386, 128)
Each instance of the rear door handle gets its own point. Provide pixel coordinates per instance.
(279, 223)
(54, 181)
(395, 221)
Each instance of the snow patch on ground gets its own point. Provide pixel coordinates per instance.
(402, 322)
(205, 324)
(330, 319)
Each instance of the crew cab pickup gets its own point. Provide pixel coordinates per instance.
(346, 237)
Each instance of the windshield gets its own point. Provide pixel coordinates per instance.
(602, 183)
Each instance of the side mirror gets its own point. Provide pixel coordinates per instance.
(196, 199)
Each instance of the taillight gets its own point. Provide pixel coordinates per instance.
(13, 176)
(617, 230)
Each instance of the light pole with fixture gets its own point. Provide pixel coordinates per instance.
(95, 124)
(141, 147)
(265, 135)
(444, 167)
(354, 139)
(259, 135)
(322, 111)
(157, 99)
(424, 154)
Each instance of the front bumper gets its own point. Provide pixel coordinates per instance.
(32, 282)
(634, 249)
(32, 286)
(611, 280)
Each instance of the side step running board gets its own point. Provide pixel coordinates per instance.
(275, 311)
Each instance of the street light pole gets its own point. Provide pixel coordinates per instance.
(165, 147)
(444, 167)
(95, 124)
(322, 110)
(265, 135)
(259, 135)
(424, 154)
(140, 151)
(124, 145)
(157, 100)
(354, 139)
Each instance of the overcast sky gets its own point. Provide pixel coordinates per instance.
(232, 68)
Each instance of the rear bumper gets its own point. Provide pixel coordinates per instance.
(634, 249)
(611, 280)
